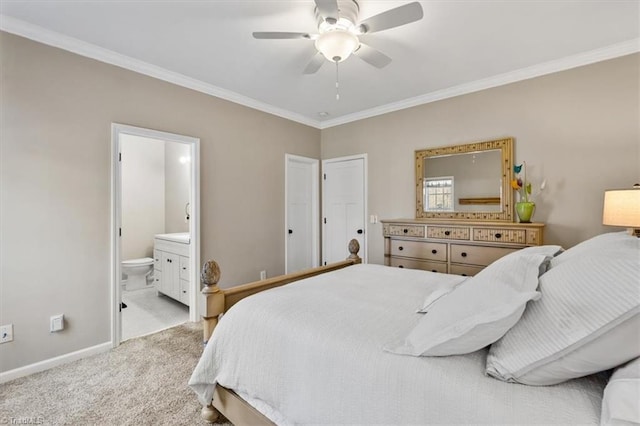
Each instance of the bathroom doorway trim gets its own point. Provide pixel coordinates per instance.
(116, 216)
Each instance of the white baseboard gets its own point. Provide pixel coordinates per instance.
(53, 362)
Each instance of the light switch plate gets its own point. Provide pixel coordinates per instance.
(57, 323)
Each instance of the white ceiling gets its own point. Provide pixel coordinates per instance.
(458, 47)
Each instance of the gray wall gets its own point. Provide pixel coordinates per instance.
(578, 129)
(177, 187)
(56, 110)
(143, 194)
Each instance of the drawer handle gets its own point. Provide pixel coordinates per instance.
(400, 266)
(184, 268)
(400, 248)
(498, 235)
(463, 254)
(447, 233)
(434, 251)
(405, 230)
(157, 279)
(184, 291)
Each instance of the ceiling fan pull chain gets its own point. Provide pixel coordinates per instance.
(337, 83)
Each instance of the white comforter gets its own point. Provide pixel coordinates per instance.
(311, 353)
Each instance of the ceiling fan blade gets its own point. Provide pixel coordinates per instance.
(280, 35)
(372, 56)
(327, 8)
(393, 18)
(314, 64)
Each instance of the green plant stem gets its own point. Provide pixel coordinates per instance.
(524, 182)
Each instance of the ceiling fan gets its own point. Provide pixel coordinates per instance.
(339, 29)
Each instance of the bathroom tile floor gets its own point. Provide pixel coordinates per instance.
(147, 312)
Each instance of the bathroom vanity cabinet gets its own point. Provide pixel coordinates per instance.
(171, 267)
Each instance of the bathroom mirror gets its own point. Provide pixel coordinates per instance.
(465, 182)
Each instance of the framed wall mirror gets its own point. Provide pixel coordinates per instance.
(465, 182)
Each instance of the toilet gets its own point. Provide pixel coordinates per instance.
(138, 271)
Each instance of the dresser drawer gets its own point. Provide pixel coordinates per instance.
(498, 235)
(422, 250)
(448, 232)
(477, 255)
(419, 264)
(466, 270)
(534, 237)
(407, 230)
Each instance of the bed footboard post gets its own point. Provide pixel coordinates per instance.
(354, 248)
(214, 298)
(209, 414)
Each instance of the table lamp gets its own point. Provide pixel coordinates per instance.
(622, 208)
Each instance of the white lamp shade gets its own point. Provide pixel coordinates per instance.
(337, 45)
(622, 208)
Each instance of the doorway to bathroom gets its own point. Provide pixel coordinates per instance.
(155, 231)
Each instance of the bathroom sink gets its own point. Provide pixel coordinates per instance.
(178, 237)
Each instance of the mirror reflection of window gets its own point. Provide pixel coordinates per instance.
(438, 193)
(475, 174)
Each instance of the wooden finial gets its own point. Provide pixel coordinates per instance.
(210, 274)
(214, 305)
(354, 248)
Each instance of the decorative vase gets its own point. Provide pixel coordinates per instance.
(525, 210)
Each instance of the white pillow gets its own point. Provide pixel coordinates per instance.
(438, 291)
(586, 321)
(551, 251)
(612, 241)
(548, 250)
(621, 399)
(477, 312)
(445, 288)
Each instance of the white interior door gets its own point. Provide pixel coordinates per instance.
(301, 217)
(344, 207)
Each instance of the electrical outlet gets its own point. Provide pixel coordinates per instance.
(6, 333)
(263, 275)
(56, 323)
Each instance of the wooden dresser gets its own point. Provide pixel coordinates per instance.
(454, 247)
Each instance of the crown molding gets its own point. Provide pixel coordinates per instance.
(574, 61)
(71, 44)
(52, 38)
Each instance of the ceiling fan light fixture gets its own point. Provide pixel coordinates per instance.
(337, 45)
(360, 29)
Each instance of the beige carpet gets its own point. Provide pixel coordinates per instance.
(143, 381)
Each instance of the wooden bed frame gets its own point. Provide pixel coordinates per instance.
(219, 301)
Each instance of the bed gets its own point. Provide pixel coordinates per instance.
(346, 344)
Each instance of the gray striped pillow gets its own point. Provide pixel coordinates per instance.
(587, 320)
